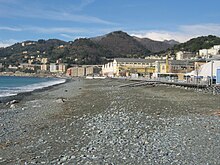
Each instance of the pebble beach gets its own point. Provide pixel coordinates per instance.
(98, 122)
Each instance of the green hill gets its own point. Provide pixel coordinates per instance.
(98, 49)
(193, 45)
(80, 51)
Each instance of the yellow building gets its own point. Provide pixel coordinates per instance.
(176, 68)
(128, 66)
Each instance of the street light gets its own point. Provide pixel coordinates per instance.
(212, 72)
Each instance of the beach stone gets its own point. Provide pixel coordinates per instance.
(61, 100)
(12, 106)
(12, 102)
(110, 125)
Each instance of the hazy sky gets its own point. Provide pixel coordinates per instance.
(70, 19)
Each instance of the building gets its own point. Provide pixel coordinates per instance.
(206, 71)
(53, 67)
(44, 67)
(203, 52)
(212, 51)
(57, 68)
(27, 66)
(30, 61)
(173, 68)
(89, 70)
(76, 71)
(81, 71)
(84, 70)
(128, 66)
(62, 68)
(12, 67)
(60, 47)
(25, 52)
(44, 60)
(73, 71)
(183, 55)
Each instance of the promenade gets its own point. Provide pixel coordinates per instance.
(200, 87)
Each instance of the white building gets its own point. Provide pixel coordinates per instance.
(203, 52)
(183, 55)
(206, 70)
(53, 67)
(110, 69)
(209, 69)
(212, 51)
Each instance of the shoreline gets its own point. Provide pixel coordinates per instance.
(20, 96)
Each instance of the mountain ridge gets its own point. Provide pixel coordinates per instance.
(98, 50)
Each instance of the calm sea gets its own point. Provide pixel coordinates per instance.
(12, 85)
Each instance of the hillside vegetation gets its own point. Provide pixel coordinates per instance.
(98, 50)
(195, 44)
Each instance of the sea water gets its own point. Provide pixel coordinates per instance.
(12, 85)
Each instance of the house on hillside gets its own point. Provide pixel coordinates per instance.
(215, 50)
(184, 55)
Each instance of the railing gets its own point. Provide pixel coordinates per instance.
(197, 84)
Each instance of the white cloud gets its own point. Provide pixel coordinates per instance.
(84, 3)
(67, 36)
(162, 35)
(182, 34)
(49, 30)
(63, 13)
(7, 43)
(10, 28)
(201, 29)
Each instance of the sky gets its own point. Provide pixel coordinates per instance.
(181, 20)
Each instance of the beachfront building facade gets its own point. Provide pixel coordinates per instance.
(128, 66)
(205, 72)
(83, 70)
(53, 68)
(57, 68)
(44, 67)
(173, 68)
(27, 66)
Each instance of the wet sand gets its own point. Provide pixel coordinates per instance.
(96, 122)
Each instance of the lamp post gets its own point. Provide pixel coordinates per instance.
(211, 72)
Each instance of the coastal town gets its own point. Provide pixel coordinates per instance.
(200, 67)
(93, 82)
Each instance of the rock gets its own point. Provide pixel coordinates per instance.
(61, 100)
(12, 102)
(12, 106)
